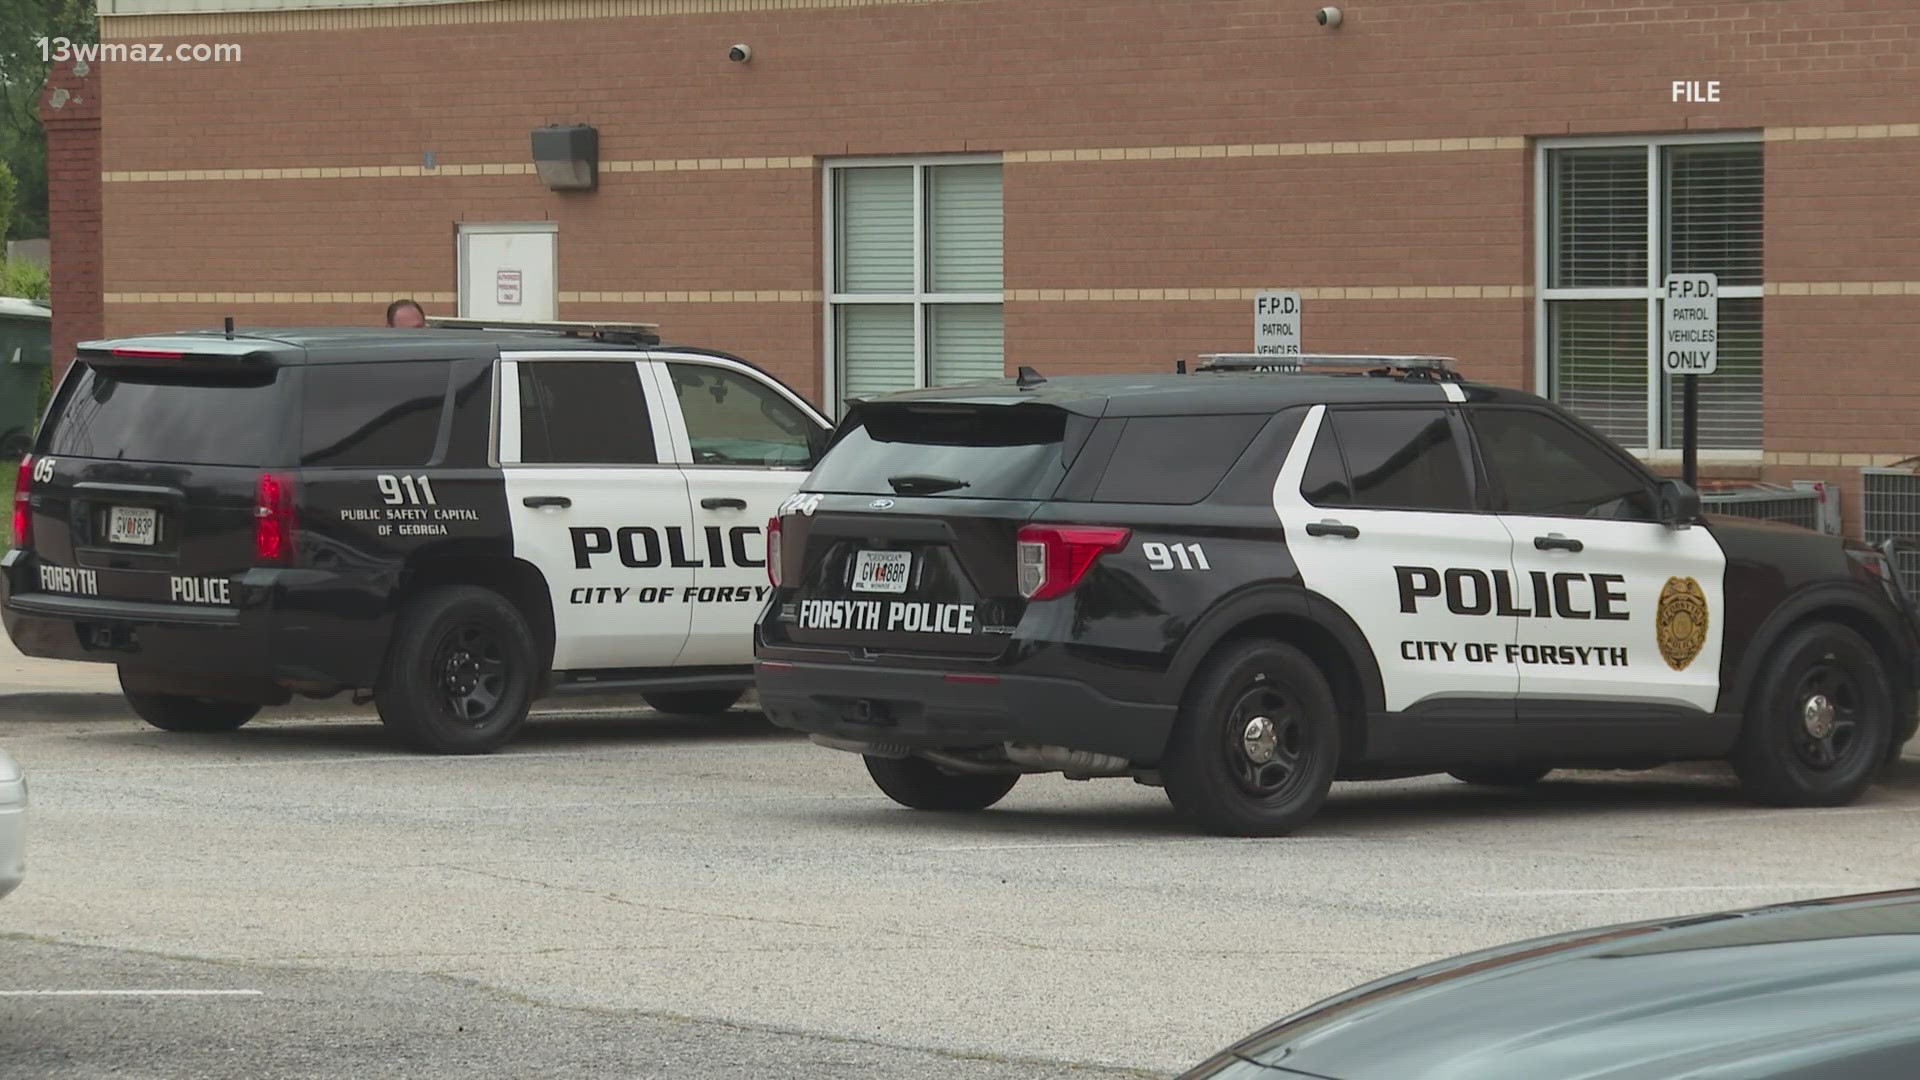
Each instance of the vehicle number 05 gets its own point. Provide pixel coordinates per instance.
(1175, 556)
(397, 490)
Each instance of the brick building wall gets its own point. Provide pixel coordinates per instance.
(1162, 163)
(70, 113)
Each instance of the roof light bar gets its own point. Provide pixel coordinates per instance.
(1321, 362)
(636, 332)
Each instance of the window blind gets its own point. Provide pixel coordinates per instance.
(875, 348)
(1714, 197)
(1599, 356)
(965, 228)
(1599, 218)
(875, 238)
(1730, 398)
(965, 343)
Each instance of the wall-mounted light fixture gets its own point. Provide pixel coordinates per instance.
(567, 156)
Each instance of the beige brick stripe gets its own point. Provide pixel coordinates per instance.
(1251, 150)
(150, 27)
(1843, 131)
(1842, 288)
(710, 296)
(1861, 461)
(509, 168)
(1013, 296)
(1336, 292)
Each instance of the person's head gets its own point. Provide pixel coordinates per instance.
(406, 315)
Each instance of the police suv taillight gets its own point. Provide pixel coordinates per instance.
(23, 505)
(274, 519)
(1053, 559)
(773, 551)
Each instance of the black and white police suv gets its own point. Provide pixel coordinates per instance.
(1243, 584)
(457, 520)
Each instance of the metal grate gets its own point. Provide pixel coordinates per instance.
(1807, 504)
(1890, 510)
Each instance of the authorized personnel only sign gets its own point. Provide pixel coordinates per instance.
(1690, 330)
(1276, 324)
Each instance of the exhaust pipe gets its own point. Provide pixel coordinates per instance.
(1061, 759)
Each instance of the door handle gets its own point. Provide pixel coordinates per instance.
(1332, 528)
(723, 504)
(1557, 542)
(539, 501)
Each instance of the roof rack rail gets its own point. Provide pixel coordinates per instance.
(627, 333)
(1427, 368)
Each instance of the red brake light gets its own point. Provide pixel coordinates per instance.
(273, 519)
(23, 505)
(150, 354)
(773, 551)
(1054, 558)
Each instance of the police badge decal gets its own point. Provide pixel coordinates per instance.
(1680, 625)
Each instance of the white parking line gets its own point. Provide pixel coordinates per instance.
(1193, 840)
(355, 759)
(1650, 890)
(132, 993)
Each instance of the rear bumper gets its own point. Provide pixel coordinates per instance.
(286, 625)
(929, 710)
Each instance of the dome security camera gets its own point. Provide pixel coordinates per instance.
(740, 54)
(1327, 16)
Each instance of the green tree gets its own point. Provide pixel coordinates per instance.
(9, 190)
(26, 29)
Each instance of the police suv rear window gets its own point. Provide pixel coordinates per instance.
(179, 417)
(1174, 460)
(385, 414)
(954, 451)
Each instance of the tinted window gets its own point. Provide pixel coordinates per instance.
(1325, 481)
(1545, 466)
(177, 417)
(584, 412)
(965, 451)
(1174, 459)
(1403, 459)
(733, 419)
(385, 415)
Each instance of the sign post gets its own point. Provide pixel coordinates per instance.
(1276, 324)
(1690, 348)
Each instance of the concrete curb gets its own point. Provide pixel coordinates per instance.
(57, 705)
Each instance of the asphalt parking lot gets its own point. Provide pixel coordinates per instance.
(625, 894)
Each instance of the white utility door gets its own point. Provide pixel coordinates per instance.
(510, 271)
(599, 507)
(745, 444)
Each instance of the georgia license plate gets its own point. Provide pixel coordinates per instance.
(133, 525)
(882, 571)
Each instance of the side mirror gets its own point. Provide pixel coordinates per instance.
(1679, 504)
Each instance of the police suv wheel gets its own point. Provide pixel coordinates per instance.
(1256, 744)
(923, 785)
(694, 702)
(1500, 775)
(461, 673)
(1818, 722)
(179, 712)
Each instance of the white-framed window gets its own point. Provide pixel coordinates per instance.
(1615, 216)
(914, 274)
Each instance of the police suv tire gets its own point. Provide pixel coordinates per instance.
(1818, 722)
(694, 702)
(1228, 774)
(454, 650)
(1500, 775)
(922, 785)
(180, 712)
